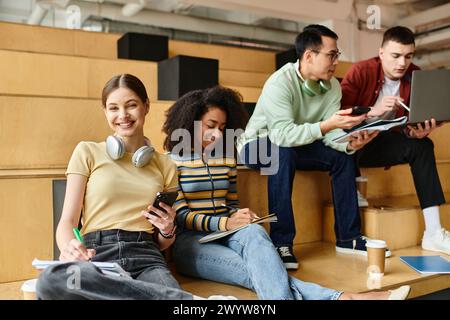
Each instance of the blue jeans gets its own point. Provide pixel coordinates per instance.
(246, 258)
(314, 156)
(135, 252)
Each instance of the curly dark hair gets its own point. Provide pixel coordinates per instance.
(194, 104)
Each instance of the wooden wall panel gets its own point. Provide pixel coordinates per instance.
(26, 226)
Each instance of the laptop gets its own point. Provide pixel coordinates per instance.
(430, 96)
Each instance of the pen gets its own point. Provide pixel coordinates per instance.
(403, 105)
(77, 234)
(232, 209)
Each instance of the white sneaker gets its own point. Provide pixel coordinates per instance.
(220, 297)
(362, 202)
(214, 297)
(399, 293)
(439, 242)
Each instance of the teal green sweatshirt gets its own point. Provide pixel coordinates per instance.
(289, 116)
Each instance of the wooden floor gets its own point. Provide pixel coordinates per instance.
(319, 263)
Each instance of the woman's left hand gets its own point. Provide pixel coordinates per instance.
(164, 221)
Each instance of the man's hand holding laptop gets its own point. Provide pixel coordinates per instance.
(422, 130)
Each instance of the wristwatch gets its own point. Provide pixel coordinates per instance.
(171, 234)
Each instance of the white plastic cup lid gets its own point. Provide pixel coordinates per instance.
(376, 244)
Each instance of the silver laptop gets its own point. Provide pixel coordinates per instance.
(430, 96)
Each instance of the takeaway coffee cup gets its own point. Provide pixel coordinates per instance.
(376, 250)
(29, 289)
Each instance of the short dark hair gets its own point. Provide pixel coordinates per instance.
(124, 81)
(194, 104)
(398, 34)
(311, 38)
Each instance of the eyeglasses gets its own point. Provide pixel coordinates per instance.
(333, 56)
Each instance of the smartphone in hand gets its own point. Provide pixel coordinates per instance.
(358, 110)
(168, 197)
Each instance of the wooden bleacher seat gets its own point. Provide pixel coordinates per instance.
(49, 101)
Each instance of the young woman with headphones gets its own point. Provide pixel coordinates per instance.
(110, 185)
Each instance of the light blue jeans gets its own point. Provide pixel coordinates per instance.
(246, 258)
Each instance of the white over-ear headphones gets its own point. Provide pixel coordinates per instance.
(115, 148)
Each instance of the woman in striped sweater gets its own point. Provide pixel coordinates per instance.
(195, 128)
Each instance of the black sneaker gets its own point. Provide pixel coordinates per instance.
(357, 246)
(288, 258)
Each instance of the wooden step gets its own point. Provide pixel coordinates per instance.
(249, 94)
(11, 290)
(65, 76)
(440, 140)
(396, 220)
(398, 181)
(80, 77)
(230, 58)
(242, 78)
(40, 39)
(319, 263)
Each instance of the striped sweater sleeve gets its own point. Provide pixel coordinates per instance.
(232, 195)
(195, 220)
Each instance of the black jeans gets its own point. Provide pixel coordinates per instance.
(314, 156)
(135, 252)
(391, 148)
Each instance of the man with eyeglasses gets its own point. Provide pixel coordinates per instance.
(294, 122)
(380, 83)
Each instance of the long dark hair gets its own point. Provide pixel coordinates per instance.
(194, 104)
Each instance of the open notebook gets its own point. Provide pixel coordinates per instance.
(220, 234)
(380, 125)
(108, 268)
